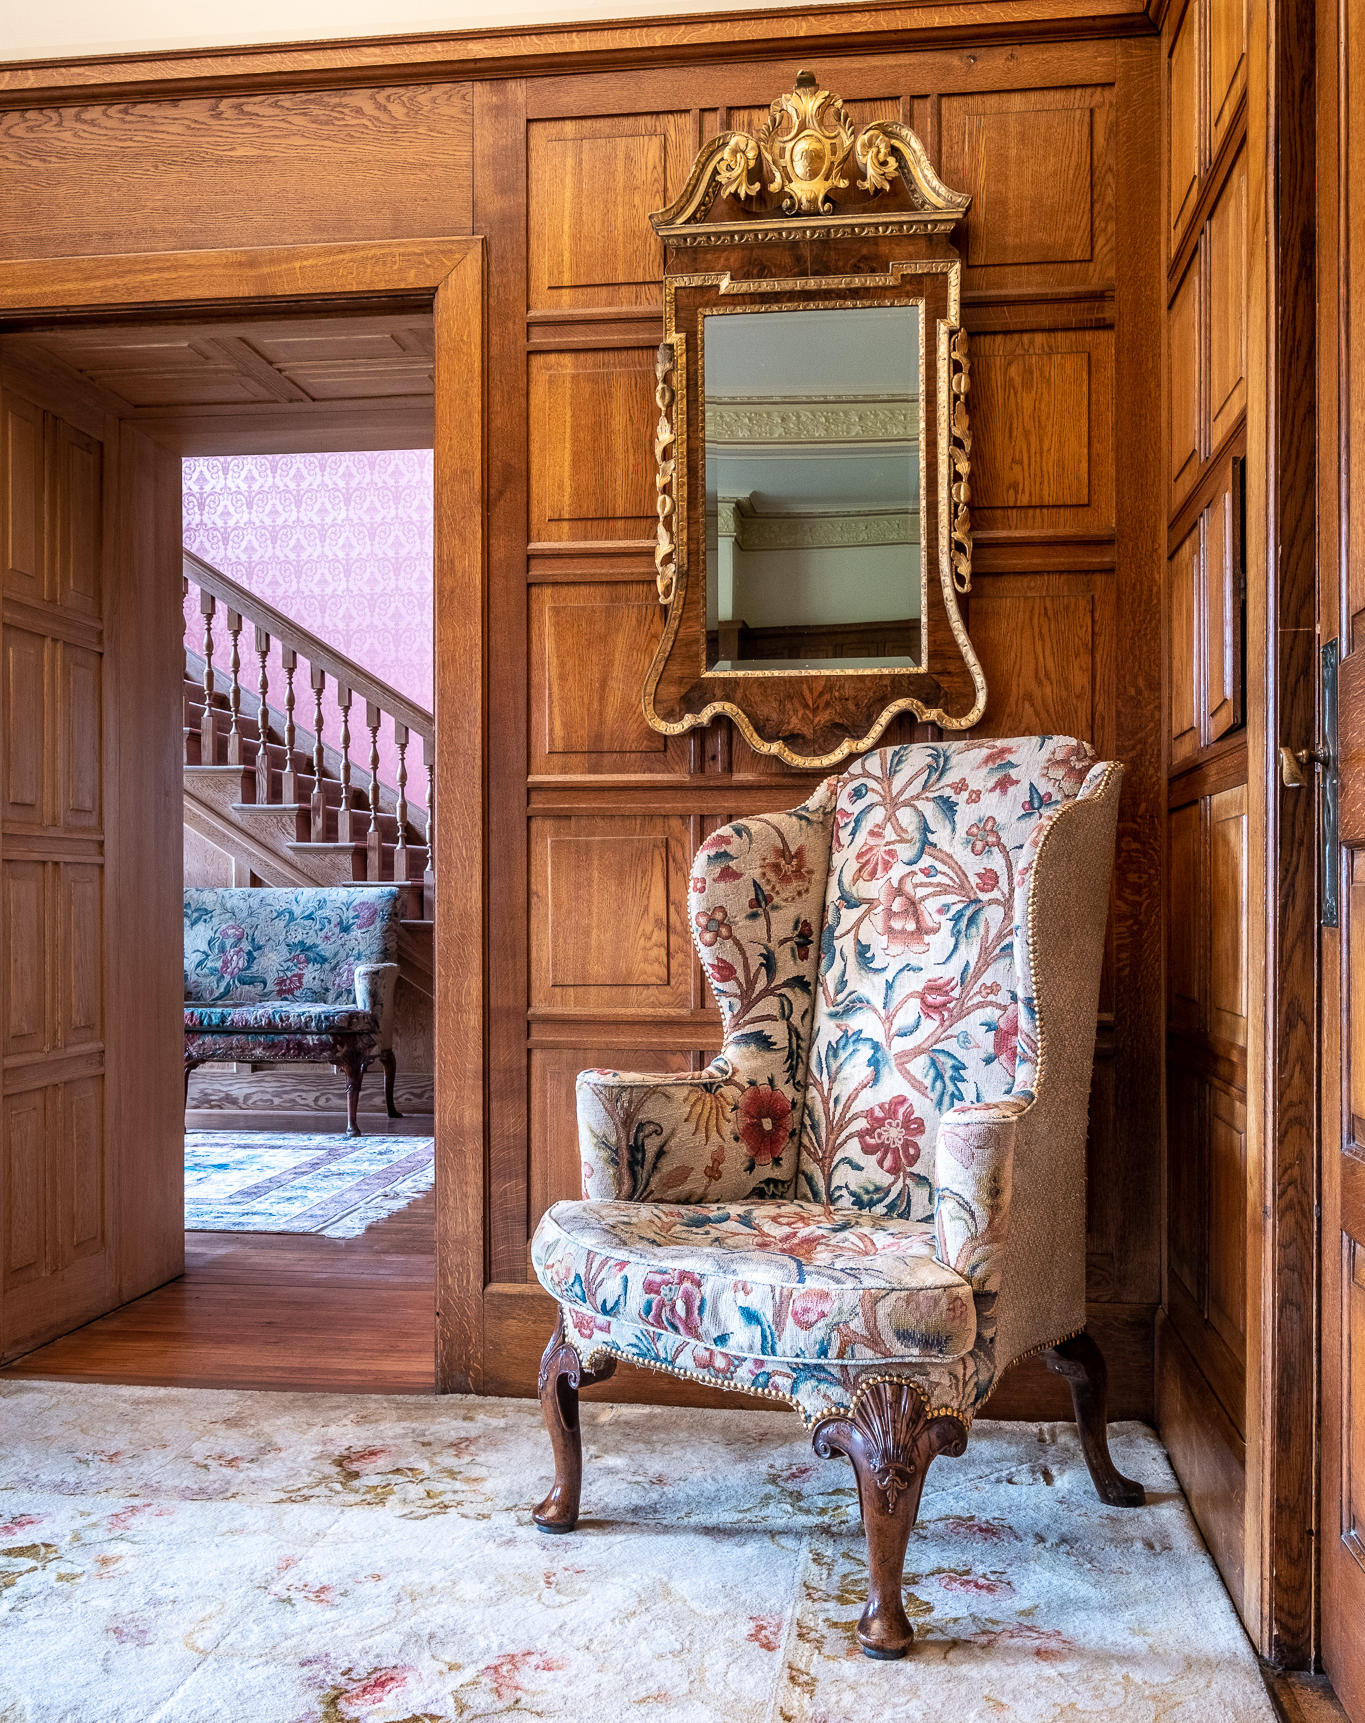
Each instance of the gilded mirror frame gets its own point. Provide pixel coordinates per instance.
(796, 250)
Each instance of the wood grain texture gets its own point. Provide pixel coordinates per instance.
(1207, 1453)
(290, 168)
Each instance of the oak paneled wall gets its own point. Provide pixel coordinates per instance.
(599, 814)
(1202, 1373)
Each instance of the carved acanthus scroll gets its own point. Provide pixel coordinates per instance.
(665, 475)
(960, 452)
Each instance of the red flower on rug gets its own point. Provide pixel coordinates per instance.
(764, 1121)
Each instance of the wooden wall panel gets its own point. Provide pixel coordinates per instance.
(619, 167)
(1228, 915)
(582, 724)
(1227, 316)
(1039, 166)
(1185, 843)
(28, 1027)
(1227, 66)
(21, 474)
(1038, 654)
(28, 714)
(609, 915)
(1043, 433)
(1183, 634)
(23, 1142)
(1186, 441)
(285, 168)
(1222, 693)
(582, 404)
(1183, 152)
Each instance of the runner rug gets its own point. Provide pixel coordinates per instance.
(259, 1181)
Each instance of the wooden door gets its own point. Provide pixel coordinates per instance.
(91, 1151)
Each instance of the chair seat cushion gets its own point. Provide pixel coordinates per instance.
(774, 1280)
(279, 1017)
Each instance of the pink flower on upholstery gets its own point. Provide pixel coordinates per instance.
(973, 796)
(586, 1324)
(232, 933)
(366, 914)
(721, 969)
(1002, 785)
(727, 874)
(810, 1307)
(984, 835)
(987, 879)
(288, 984)
(877, 857)
(718, 1363)
(713, 924)
(936, 998)
(785, 875)
(232, 962)
(673, 1301)
(901, 919)
(1068, 766)
(891, 1135)
(764, 1121)
(698, 883)
(1006, 1043)
(958, 785)
(996, 757)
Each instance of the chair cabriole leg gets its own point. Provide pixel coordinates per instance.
(1081, 1362)
(891, 1440)
(354, 1067)
(561, 1376)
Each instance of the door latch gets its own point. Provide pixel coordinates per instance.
(1296, 765)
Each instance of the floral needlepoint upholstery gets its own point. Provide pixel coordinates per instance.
(880, 1170)
(310, 974)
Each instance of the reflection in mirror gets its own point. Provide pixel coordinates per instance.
(813, 439)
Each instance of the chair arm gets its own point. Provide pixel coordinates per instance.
(375, 987)
(654, 1138)
(973, 1173)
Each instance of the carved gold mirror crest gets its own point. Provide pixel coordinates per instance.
(812, 443)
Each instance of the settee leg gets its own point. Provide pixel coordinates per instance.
(1082, 1363)
(386, 1059)
(354, 1067)
(561, 1376)
(190, 1065)
(891, 1439)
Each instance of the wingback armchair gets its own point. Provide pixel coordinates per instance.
(293, 974)
(872, 1201)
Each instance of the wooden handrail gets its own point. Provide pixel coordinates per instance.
(286, 632)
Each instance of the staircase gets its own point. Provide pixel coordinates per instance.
(284, 799)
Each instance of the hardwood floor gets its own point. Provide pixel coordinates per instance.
(273, 1310)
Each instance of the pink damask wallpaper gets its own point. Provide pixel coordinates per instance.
(341, 543)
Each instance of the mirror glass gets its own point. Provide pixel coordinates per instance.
(813, 445)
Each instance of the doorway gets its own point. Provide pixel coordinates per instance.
(340, 1306)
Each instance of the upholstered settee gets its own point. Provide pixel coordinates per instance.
(306, 974)
(873, 1200)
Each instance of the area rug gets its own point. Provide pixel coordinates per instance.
(182, 1556)
(259, 1181)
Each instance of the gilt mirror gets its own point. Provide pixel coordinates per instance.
(813, 440)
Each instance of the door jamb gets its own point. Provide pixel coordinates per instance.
(451, 271)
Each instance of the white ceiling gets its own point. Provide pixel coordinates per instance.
(63, 29)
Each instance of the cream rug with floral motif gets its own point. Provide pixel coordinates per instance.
(185, 1556)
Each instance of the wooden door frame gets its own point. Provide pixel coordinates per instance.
(450, 271)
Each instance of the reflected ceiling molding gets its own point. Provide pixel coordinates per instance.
(791, 419)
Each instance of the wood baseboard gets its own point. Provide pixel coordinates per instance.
(518, 1319)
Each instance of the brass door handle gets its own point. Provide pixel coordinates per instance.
(1295, 762)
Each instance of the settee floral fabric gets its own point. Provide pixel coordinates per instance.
(203, 1049)
(278, 1019)
(250, 946)
(911, 1043)
(778, 1280)
(756, 896)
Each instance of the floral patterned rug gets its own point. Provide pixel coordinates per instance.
(181, 1556)
(300, 1181)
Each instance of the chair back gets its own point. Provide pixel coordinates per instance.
(253, 946)
(919, 1005)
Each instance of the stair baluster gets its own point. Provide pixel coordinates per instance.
(208, 721)
(289, 783)
(317, 676)
(374, 849)
(263, 715)
(346, 822)
(400, 807)
(235, 749)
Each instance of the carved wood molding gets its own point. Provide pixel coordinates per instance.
(801, 158)
(890, 1435)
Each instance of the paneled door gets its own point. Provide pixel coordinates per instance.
(90, 1146)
